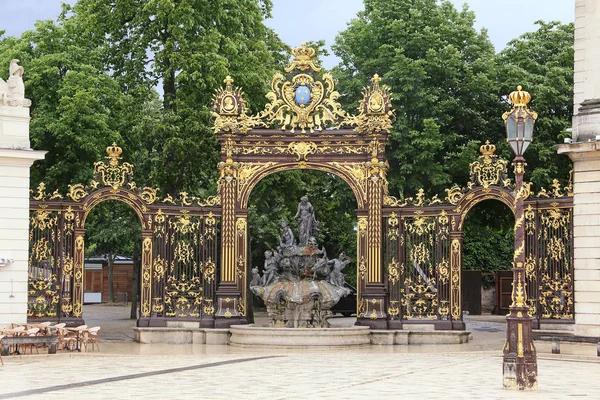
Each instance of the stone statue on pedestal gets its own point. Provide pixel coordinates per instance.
(307, 224)
(12, 92)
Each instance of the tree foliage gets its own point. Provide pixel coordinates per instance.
(187, 48)
(438, 68)
(77, 109)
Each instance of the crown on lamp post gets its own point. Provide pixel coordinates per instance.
(519, 121)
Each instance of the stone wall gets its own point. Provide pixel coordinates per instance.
(586, 234)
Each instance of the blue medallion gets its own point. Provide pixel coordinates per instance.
(302, 95)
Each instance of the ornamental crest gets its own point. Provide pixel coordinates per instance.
(375, 110)
(230, 110)
(115, 174)
(303, 100)
(488, 170)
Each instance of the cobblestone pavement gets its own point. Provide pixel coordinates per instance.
(124, 369)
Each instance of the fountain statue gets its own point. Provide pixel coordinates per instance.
(300, 284)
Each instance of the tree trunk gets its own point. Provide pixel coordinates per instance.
(111, 282)
(135, 282)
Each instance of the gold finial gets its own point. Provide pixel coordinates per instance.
(114, 153)
(520, 98)
(487, 149)
(303, 59)
(228, 81)
(376, 79)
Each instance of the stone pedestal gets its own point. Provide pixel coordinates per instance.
(586, 233)
(15, 160)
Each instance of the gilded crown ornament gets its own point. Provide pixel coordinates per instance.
(487, 149)
(114, 153)
(303, 59)
(488, 170)
(115, 174)
(519, 98)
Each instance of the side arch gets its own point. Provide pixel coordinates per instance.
(107, 193)
(480, 194)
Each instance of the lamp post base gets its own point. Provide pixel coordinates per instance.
(519, 366)
(519, 374)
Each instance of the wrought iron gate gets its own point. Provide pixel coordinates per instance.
(423, 250)
(180, 248)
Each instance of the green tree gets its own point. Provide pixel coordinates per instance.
(111, 230)
(440, 70)
(186, 47)
(77, 109)
(542, 62)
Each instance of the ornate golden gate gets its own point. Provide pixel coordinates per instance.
(179, 238)
(409, 251)
(299, 117)
(424, 241)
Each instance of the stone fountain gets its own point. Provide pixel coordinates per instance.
(299, 286)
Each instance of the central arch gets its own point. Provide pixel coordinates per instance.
(333, 168)
(302, 133)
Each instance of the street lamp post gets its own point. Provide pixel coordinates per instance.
(519, 370)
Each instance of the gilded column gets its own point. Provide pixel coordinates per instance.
(146, 281)
(374, 298)
(456, 244)
(78, 273)
(230, 303)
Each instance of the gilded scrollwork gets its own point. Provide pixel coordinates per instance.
(44, 295)
(183, 297)
(420, 298)
(454, 195)
(556, 296)
(488, 170)
(557, 190)
(148, 194)
(116, 173)
(375, 110)
(302, 149)
(77, 192)
(394, 271)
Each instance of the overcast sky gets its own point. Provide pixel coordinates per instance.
(323, 19)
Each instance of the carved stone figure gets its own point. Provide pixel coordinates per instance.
(307, 224)
(321, 269)
(336, 277)
(255, 277)
(12, 92)
(270, 272)
(287, 236)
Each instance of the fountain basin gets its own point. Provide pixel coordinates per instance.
(267, 336)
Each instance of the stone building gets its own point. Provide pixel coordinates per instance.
(584, 151)
(16, 157)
